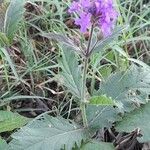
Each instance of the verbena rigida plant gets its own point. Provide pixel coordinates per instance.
(109, 106)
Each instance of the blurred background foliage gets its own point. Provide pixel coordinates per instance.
(28, 61)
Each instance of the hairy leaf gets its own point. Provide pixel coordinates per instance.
(62, 39)
(10, 121)
(98, 146)
(129, 89)
(14, 14)
(139, 118)
(101, 100)
(101, 116)
(54, 133)
(106, 41)
(71, 72)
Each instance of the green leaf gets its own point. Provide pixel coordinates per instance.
(129, 89)
(13, 15)
(101, 116)
(54, 133)
(108, 40)
(3, 145)
(101, 100)
(10, 121)
(10, 61)
(98, 146)
(105, 71)
(60, 38)
(139, 62)
(139, 118)
(120, 51)
(71, 71)
(3, 39)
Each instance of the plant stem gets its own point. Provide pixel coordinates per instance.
(90, 40)
(85, 68)
(84, 101)
(83, 113)
(84, 80)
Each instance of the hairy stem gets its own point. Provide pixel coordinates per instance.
(85, 68)
(83, 113)
(90, 40)
(84, 101)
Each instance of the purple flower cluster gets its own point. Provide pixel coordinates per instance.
(98, 12)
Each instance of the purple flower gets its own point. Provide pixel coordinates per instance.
(74, 7)
(83, 21)
(98, 12)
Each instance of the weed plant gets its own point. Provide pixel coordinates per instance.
(64, 89)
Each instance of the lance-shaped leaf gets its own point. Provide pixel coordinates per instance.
(10, 121)
(71, 71)
(52, 133)
(57, 37)
(139, 118)
(13, 15)
(129, 89)
(62, 39)
(108, 40)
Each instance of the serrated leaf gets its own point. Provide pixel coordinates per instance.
(10, 121)
(71, 72)
(108, 40)
(98, 146)
(139, 118)
(129, 89)
(101, 116)
(50, 132)
(13, 15)
(3, 145)
(101, 100)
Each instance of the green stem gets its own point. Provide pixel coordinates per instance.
(85, 68)
(84, 101)
(83, 112)
(84, 80)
